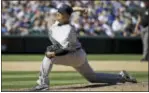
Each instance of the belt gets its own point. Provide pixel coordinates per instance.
(78, 48)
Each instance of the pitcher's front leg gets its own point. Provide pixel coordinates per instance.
(45, 69)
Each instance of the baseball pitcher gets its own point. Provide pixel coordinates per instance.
(67, 50)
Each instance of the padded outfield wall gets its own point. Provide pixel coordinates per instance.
(92, 45)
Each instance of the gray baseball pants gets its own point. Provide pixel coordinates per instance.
(79, 62)
(145, 42)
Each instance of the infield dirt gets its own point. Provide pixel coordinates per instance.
(127, 87)
(96, 65)
(143, 86)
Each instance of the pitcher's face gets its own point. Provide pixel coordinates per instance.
(62, 18)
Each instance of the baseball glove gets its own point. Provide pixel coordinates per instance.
(53, 48)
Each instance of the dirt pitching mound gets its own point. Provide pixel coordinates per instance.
(143, 86)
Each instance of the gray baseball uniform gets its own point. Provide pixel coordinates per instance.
(66, 36)
(145, 42)
(144, 33)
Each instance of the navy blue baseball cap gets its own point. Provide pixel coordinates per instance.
(64, 8)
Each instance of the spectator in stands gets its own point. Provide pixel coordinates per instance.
(118, 26)
(88, 27)
(4, 30)
(39, 27)
(104, 28)
(19, 17)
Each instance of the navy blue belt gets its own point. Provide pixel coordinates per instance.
(78, 48)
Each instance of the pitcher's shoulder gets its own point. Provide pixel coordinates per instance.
(72, 26)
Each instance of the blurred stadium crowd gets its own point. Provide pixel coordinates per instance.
(104, 18)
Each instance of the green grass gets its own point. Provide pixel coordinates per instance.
(23, 57)
(27, 79)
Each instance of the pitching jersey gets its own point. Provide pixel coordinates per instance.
(65, 35)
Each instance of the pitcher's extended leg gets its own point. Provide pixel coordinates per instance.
(45, 68)
(93, 77)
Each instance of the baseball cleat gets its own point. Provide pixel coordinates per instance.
(40, 88)
(127, 77)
